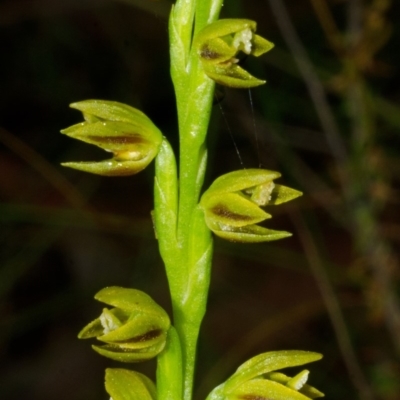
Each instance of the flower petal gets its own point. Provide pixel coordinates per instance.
(250, 234)
(122, 384)
(233, 209)
(270, 361)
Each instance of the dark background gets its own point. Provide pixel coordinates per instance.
(331, 126)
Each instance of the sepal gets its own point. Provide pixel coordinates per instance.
(117, 128)
(257, 379)
(134, 330)
(122, 384)
(218, 45)
(232, 204)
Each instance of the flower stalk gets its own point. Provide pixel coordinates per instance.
(188, 261)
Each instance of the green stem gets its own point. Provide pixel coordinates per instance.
(184, 239)
(169, 369)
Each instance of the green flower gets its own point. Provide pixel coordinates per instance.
(117, 128)
(256, 379)
(134, 330)
(219, 43)
(232, 204)
(122, 384)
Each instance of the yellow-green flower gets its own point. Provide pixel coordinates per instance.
(257, 379)
(219, 43)
(117, 128)
(232, 204)
(134, 330)
(122, 384)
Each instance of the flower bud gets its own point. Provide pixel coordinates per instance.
(122, 384)
(117, 128)
(232, 204)
(256, 379)
(134, 330)
(219, 43)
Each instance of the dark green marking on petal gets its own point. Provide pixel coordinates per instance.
(222, 211)
(208, 54)
(130, 138)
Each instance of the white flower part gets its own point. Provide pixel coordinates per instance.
(262, 194)
(242, 40)
(107, 323)
(298, 381)
(129, 155)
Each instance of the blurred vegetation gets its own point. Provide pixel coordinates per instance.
(329, 119)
